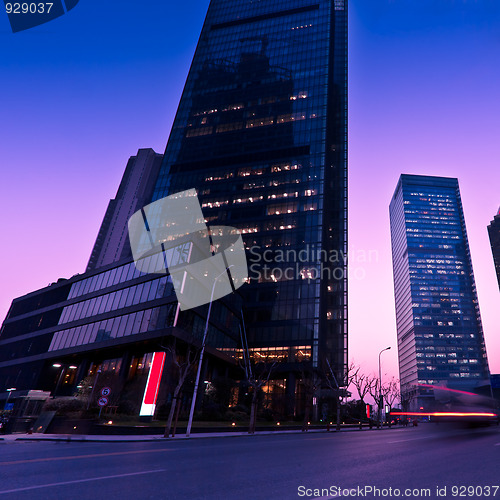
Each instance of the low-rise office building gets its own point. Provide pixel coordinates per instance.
(108, 323)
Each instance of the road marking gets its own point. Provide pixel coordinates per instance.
(412, 439)
(62, 483)
(76, 457)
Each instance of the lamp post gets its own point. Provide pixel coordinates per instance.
(8, 396)
(380, 387)
(198, 374)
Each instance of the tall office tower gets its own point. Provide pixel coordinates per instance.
(494, 234)
(440, 337)
(135, 191)
(261, 133)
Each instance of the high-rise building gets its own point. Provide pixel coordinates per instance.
(261, 133)
(135, 191)
(440, 337)
(494, 234)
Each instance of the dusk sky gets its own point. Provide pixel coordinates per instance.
(81, 94)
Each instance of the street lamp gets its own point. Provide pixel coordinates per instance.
(198, 374)
(8, 396)
(380, 387)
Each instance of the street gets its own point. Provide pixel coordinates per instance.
(281, 466)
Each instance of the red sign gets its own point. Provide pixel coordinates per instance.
(103, 401)
(105, 391)
(154, 378)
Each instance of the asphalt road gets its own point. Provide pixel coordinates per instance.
(285, 466)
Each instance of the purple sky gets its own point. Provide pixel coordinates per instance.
(424, 80)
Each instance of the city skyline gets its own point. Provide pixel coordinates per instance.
(261, 133)
(64, 252)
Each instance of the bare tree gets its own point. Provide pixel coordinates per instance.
(391, 392)
(408, 393)
(257, 376)
(351, 373)
(362, 384)
(374, 391)
(184, 366)
(342, 394)
(311, 381)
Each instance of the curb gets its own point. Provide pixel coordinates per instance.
(159, 438)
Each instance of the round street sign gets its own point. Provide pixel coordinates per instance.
(102, 401)
(105, 391)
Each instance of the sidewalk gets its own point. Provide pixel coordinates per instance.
(138, 439)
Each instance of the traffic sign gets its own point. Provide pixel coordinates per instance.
(103, 401)
(105, 391)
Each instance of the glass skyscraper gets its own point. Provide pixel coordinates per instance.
(261, 133)
(440, 337)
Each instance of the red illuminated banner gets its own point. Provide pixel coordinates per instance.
(153, 384)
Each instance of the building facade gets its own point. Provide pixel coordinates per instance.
(135, 191)
(261, 133)
(440, 337)
(112, 321)
(494, 234)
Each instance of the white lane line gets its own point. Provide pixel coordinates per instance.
(412, 439)
(51, 485)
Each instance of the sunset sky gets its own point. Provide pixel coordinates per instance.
(81, 94)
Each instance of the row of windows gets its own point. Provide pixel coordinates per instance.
(453, 375)
(431, 231)
(151, 264)
(442, 355)
(278, 209)
(437, 262)
(442, 289)
(288, 174)
(262, 183)
(145, 292)
(120, 326)
(451, 361)
(262, 100)
(277, 354)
